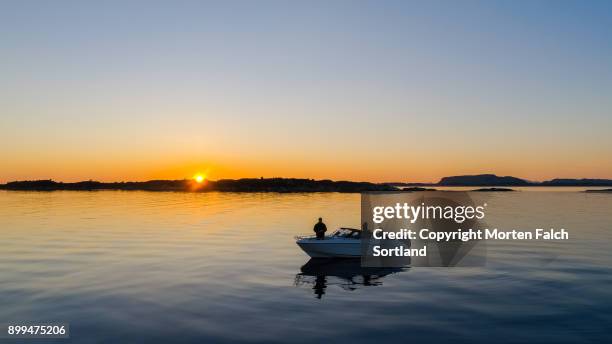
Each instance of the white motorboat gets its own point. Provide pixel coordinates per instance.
(343, 243)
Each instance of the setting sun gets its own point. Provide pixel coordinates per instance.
(199, 178)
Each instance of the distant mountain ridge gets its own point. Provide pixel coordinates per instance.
(577, 182)
(292, 184)
(225, 185)
(493, 180)
(482, 180)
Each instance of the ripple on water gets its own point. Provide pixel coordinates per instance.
(223, 267)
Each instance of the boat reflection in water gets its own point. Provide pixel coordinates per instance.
(346, 273)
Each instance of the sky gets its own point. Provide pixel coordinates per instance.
(345, 90)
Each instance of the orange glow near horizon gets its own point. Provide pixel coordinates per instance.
(420, 167)
(426, 172)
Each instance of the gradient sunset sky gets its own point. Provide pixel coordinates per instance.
(377, 91)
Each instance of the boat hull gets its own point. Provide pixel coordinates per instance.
(330, 248)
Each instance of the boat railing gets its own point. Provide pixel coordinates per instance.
(300, 237)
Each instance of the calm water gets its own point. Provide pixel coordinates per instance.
(221, 267)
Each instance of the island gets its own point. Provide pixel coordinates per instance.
(225, 185)
(483, 180)
(493, 190)
(416, 188)
(577, 182)
(493, 180)
(491, 183)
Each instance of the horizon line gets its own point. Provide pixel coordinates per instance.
(300, 178)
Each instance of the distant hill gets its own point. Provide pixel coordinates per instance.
(50, 185)
(228, 185)
(493, 180)
(494, 190)
(293, 184)
(577, 182)
(482, 180)
(402, 184)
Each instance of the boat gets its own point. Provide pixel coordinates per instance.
(343, 243)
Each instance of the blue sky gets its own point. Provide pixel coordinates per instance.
(389, 90)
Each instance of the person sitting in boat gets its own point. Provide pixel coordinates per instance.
(320, 228)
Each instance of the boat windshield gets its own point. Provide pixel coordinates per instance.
(347, 233)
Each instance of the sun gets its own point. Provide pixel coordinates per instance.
(199, 178)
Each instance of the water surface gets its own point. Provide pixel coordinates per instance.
(131, 266)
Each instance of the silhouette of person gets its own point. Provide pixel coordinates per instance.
(320, 286)
(320, 228)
